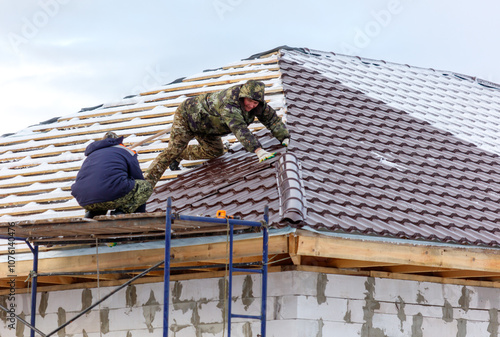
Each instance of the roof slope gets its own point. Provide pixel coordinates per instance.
(374, 169)
(383, 149)
(39, 164)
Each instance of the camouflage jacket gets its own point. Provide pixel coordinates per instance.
(220, 113)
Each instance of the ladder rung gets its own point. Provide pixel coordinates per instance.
(246, 316)
(258, 271)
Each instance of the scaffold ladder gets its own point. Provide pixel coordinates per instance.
(263, 270)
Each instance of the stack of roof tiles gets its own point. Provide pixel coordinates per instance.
(377, 148)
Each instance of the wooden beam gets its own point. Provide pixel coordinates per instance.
(18, 203)
(489, 279)
(293, 243)
(408, 269)
(426, 255)
(242, 248)
(40, 181)
(85, 228)
(105, 277)
(38, 211)
(84, 132)
(223, 260)
(234, 72)
(341, 263)
(468, 274)
(123, 111)
(4, 283)
(56, 279)
(207, 84)
(131, 259)
(326, 270)
(31, 191)
(62, 142)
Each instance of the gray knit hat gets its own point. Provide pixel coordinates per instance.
(110, 134)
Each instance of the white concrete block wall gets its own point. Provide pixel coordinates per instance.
(299, 304)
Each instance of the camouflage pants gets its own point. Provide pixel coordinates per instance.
(129, 203)
(209, 147)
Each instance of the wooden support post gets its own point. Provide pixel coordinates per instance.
(292, 249)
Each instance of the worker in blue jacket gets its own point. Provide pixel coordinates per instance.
(111, 179)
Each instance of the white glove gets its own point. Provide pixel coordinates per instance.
(285, 142)
(263, 155)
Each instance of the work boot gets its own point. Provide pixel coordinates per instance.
(117, 212)
(174, 166)
(92, 214)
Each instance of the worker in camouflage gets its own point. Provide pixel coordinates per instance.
(209, 116)
(132, 202)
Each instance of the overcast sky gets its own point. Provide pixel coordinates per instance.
(58, 56)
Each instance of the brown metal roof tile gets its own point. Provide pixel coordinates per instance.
(235, 182)
(386, 171)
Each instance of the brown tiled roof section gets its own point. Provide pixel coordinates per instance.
(369, 168)
(235, 182)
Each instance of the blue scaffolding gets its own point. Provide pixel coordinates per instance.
(170, 218)
(232, 269)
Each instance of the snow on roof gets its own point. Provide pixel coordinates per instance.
(39, 164)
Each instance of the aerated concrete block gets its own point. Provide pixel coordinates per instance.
(344, 286)
(292, 328)
(392, 325)
(434, 311)
(135, 318)
(430, 294)
(432, 327)
(389, 290)
(209, 312)
(477, 328)
(307, 307)
(182, 314)
(196, 290)
(484, 298)
(452, 293)
(336, 329)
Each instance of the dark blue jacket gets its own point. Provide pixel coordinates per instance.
(108, 173)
